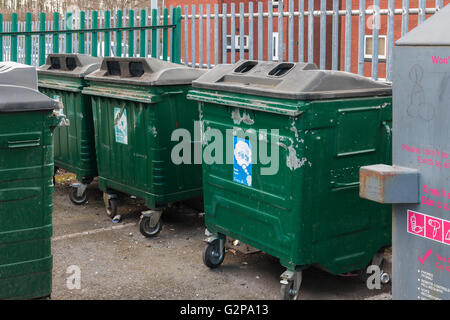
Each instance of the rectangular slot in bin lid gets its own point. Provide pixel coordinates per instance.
(289, 80)
(432, 32)
(20, 99)
(16, 74)
(69, 65)
(144, 72)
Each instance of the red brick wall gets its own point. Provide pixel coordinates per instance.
(413, 20)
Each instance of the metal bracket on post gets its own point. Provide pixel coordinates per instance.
(154, 215)
(389, 184)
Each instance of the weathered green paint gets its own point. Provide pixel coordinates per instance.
(165, 33)
(14, 38)
(131, 33)
(142, 36)
(154, 31)
(94, 34)
(41, 39)
(143, 167)
(55, 35)
(69, 26)
(119, 34)
(82, 37)
(74, 146)
(107, 34)
(310, 211)
(26, 187)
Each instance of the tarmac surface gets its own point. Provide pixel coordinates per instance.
(116, 262)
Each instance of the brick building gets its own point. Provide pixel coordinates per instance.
(413, 19)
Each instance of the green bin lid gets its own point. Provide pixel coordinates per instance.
(69, 65)
(144, 72)
(432, 32)
(18, 89)
(289, 80)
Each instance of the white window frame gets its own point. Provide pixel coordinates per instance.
(370, 56)
(275, 53)
(237, 45)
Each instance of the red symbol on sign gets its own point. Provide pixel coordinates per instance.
(446, 232)
(433, 229)
(416, 223)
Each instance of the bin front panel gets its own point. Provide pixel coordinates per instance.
(309, 211)
(74, 144)
(26, 187)
(133, 141)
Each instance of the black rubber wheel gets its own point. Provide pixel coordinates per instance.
(76, 199)
(211, 256)
(148, 231)
(111, 207)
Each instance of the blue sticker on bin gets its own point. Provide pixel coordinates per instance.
(242, 164)
(120, 125)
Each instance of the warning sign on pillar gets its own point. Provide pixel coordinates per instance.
(429, 227)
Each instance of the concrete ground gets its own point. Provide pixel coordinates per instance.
(117, 262)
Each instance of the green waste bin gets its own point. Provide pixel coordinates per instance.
(62, 78)
(137, 104)
(27, 121)
(322, 126)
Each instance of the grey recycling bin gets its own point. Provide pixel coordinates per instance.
(62, 78)
(418, 182)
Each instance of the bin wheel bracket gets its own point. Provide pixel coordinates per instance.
(110, 204)
(78, 195)
(150, 224)
(290, 284)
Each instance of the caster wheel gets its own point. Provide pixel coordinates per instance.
(385, 278)
(110, 205)
(148, 231)
(76, 199)
(211, 256)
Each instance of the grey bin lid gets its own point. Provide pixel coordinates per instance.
(69, 65)
(144, 72)
(432, 32)
(297, 81)
(17, 74)
(20, 99)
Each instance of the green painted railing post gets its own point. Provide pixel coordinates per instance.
(176, 35)
(107, 34)
(1, 37)
(131, 33)
(94, 34)
(82, 40)
(55, 35)
(143, 34)
(14, 38)
(28, 18)
(165, 33)
(154, 31)
(69, 26)
(119, 34)
(41, 39)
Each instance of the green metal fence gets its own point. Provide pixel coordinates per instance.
(30, 41)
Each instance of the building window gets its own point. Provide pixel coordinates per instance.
(368, 42)
(275, 46)
(237, 42)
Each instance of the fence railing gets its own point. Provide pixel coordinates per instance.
(30, 41)
(333, 35)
